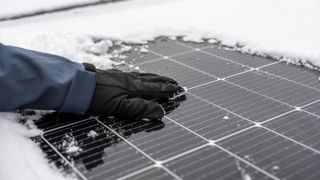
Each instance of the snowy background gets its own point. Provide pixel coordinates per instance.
(285, 29)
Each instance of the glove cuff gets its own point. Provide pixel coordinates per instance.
(89, 67)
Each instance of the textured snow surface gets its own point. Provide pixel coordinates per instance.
(286, 28)
(16, 8)
(20, 158)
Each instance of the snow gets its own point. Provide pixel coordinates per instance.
(226, 118)
(21, 158)
(32, 6)
(275, 167)
(245, 176)
(286, 29)
(70, 145)
(144, 50)
(92, 134)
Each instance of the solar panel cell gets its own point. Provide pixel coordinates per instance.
(208, 120)
(184, 75)
(292, 72)
(212, 163)
(276, 88)
(245, 59)
(210, 64)
(300, 126)
(137, 54)
(275, 154)
(240, 101)
(102, 155)
(313, 108)
(154, 174)
(158, 142)
(167, 47)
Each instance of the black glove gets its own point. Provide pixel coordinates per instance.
(130, 95)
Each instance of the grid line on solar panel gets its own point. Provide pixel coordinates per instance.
(107, 172)
(91, 160)
(263, 66)
(210, 142)
(258, 66)
(239, 101)
(293, 81)
(53, 157)
(297, 143)
(219, 79)
(225, 58)
(291, 139)
(65, 159)
(284, 136)
(267, 65)
(67, 124)
(154, 174)
(201, 71)
(278, 154)
(164, 57)
(211, 162)
(234, 56)
(313, 108)
(184, 75)
(160, 144)
(247, 60)
(300, 126)
(271, 98)
(165, 161)
(209, 64)
(247, 88)
(231, 134)
(302, 75)
(279, 89)
(166, 47)
(140, 171)
(208, 120)
(272, 64)
(138, 149)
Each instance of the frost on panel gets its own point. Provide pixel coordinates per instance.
(245, 175)
(144, 50)
(92, 134)
(70, 145)
(225, 117)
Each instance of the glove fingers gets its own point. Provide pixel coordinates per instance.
(140, 108)
(158, 90)
(150, 77)
(143, 74)
(159, 79)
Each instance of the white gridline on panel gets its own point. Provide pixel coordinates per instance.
(224, 79)
(199, 147)
(192, 150)
(272, 99)
(209, 141)
(257, 68)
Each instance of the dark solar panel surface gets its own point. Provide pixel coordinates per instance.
(245, 117)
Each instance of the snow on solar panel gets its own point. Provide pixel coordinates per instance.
(245, 117)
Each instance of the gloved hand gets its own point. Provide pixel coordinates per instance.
(130, 95)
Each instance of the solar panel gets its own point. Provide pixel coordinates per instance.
(245, 117)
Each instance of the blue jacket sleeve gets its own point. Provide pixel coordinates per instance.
(35, 80)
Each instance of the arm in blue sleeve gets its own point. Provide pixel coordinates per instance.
(35, 80)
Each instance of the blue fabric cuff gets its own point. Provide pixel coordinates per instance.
(80, 92)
